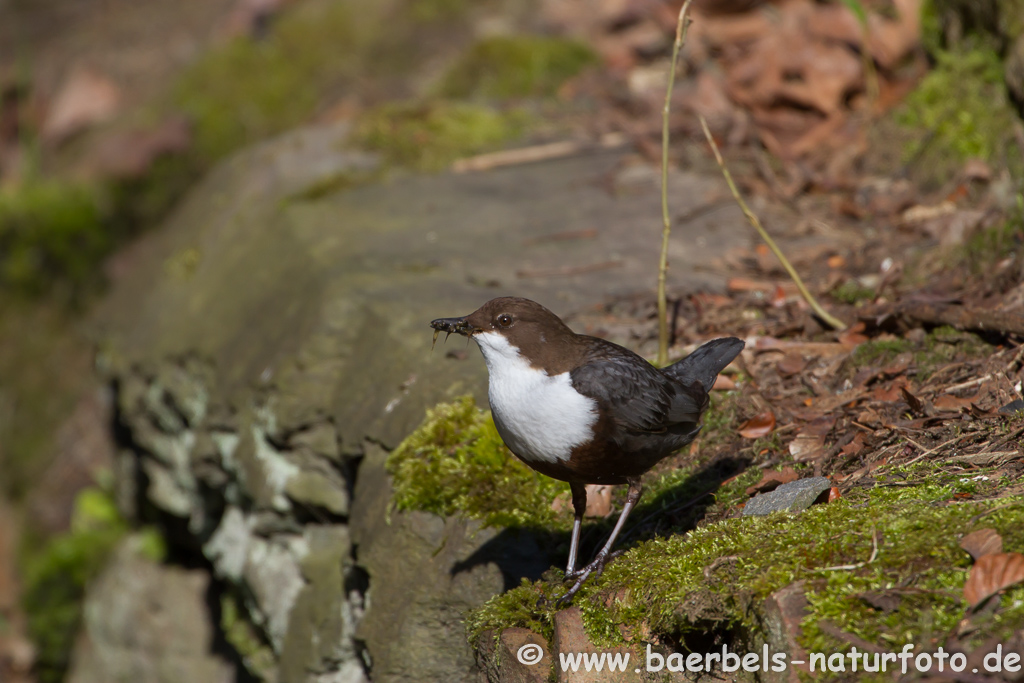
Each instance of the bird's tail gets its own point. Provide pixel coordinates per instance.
(704, 364)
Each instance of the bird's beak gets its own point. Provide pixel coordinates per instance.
(450, 325)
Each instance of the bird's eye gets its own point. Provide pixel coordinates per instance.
(505, 320)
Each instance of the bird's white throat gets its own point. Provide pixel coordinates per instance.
(540, 416)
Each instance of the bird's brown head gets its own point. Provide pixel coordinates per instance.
(523, 323)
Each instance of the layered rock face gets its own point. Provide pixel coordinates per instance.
(268, 349)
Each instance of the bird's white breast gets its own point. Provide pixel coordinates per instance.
(540, 416)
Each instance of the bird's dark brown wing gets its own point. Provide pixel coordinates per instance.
(638, 396)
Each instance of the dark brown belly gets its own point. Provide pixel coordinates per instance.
(614, 461)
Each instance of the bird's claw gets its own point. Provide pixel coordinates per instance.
(583, 573)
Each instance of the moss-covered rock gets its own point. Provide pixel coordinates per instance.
(455, 463)
(871, 541)
(503, 67)
(430, 135)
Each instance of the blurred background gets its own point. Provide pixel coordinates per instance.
(113, 112)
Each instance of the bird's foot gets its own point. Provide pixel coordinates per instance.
(583, 573)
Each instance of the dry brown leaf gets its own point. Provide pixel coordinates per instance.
(950, 402)
(760, 425)
(85, 99)
(869, 418)
(723, 383)
(899, 364)
(852, 336)
(991, 574)
(889, 392)
(982, 542)
(807, 447)
(771, 480)
(792, 363)
(855, 446)
(915, 404)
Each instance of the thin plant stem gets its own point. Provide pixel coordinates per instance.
(832, 321)
(666, 230)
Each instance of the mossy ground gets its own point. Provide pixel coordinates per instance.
(516, 66)
(662, 587)
(430, 135)
(960, 110)
(940, 346)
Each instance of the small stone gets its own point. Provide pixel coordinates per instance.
(792, 497)
(313, 488)
(321, 438)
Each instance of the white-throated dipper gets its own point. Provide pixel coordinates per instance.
(582, 409)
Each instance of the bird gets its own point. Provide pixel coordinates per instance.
(585, 410)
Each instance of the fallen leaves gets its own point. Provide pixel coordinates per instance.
(771, 480)
(758, 426)
(982, 542)
(86, 98)
(795, 71)
(993, 569)
(991, 574)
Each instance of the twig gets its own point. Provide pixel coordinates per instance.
(997, 508)
(681, 28)
(927, 451)
(847, 567)
(970, 383)
(529, 155)
(833, 322)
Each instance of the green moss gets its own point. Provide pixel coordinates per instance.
(852, 292)
(250, 89)
(50, 230)
(516, 66)
(456, 463)
(941, 345)
(55, 578)
(425, 11)
(661, 584)
(987, 248)
(962, 111)
(431, 135)
(879, 351)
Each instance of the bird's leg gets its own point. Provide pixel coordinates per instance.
(579, 506)
(635, 489)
